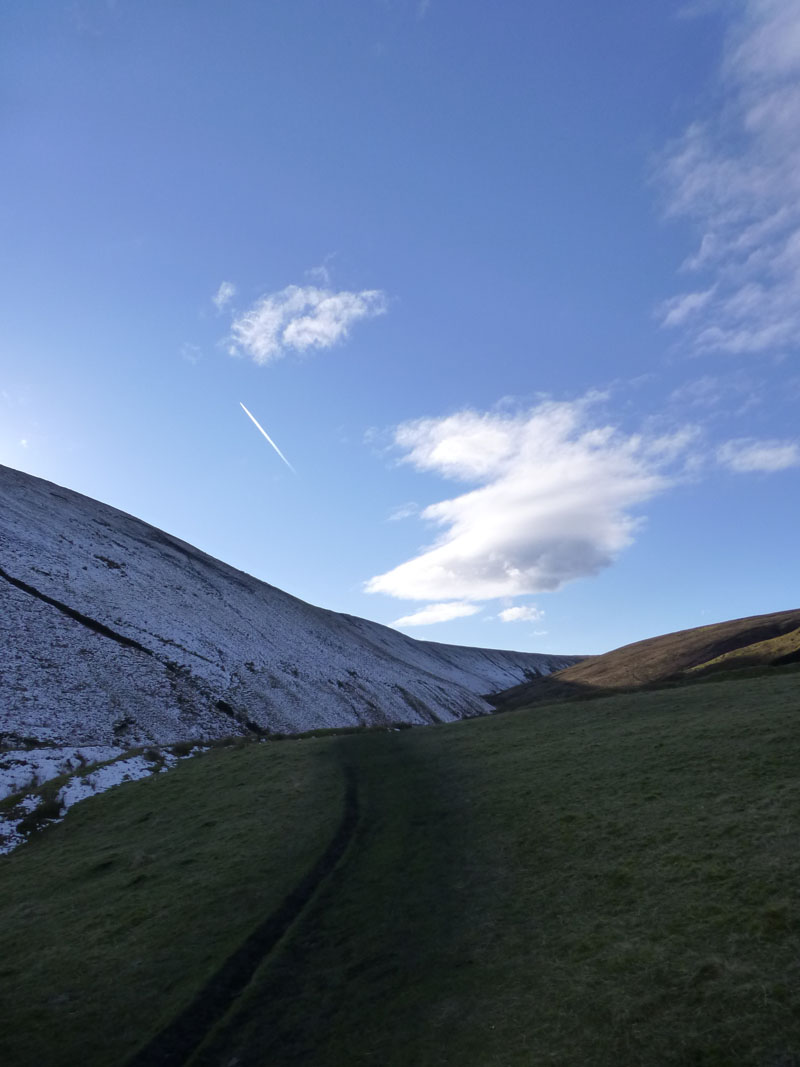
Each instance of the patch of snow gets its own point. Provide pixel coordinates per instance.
(25, 767)
(81, 787)
(106, 777)
(10, 837)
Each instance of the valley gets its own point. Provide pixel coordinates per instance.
(317, 841)
(399, 464)
(588, 882)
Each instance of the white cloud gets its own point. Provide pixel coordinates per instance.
(404, 511)
(321, 275)
(678, 309)
(191, 353)
(737, 176)
(554, 500)
(746, 455)
(437, 613)
(224, 295)
(734, 393)
(298, 318)
(523, 613)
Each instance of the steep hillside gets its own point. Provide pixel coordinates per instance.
(760, 640)
(115, 632)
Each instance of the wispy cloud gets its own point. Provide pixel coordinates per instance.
(738, 390)
(678, 309)
(522, 613)
(224, 295)
(437, 613)
(736, 174)
(191, 353)
(404, 511)
(746, 455)
(555, 499)
(298, 318)
(320, 274)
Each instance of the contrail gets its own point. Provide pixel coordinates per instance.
(261, 428)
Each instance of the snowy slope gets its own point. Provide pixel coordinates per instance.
(113, 632)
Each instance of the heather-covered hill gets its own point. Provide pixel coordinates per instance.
(758, 641)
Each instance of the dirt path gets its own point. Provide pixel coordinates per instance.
(174, 1045)
(351, 975)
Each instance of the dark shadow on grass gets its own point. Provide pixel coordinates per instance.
(678, 658)
(554, 690)
(176, 1042)
(381, 924)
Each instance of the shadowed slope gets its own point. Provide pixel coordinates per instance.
(760, 640)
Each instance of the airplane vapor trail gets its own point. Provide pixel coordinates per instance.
(261, 428)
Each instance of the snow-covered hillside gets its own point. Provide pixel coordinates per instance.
(113, 632)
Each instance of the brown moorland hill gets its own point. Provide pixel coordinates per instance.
(757, 641)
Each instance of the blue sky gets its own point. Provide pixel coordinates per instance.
(515, 289)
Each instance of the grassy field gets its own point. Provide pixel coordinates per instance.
(113, 919)
(605, 882)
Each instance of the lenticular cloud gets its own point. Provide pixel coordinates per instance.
(554, 500)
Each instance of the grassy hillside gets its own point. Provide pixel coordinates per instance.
(613, 882)
(775, 651)
(761, 640)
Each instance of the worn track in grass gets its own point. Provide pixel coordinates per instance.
(178, 1040)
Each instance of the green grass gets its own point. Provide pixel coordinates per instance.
(775, 648)
(111, 920)
(614, 882)
(584, 884)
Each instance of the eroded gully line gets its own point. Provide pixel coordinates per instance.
(130, 642)
(77, 616)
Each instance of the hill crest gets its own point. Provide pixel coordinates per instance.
(756, 641)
